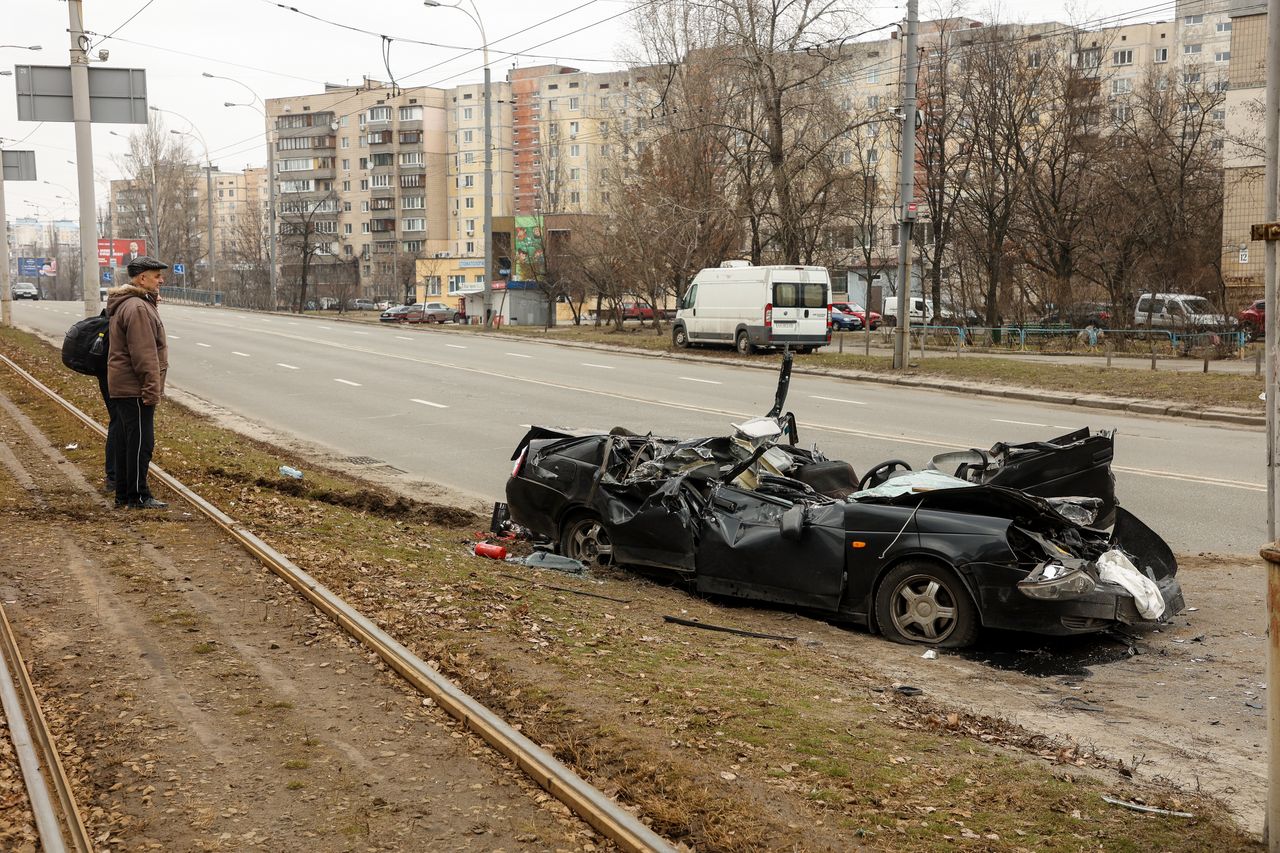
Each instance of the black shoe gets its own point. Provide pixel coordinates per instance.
(108, 485)
(149, 503)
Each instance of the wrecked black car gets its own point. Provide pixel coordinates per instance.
(1026, 537)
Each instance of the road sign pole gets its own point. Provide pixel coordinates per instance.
(84, 159)
(6, 297)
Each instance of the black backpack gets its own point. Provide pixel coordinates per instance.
(84, 349)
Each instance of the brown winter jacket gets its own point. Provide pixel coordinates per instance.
(138, 357)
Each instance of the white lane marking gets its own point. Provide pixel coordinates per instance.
(241, 354)
(1019, 423)
(456, 346)
(429, 403)
(287, 366)
(203, 345)
(836, 400)
(174, 338)
(359, 333)
(402, 338)
(348, 382)
(518, 355)
(600, 366)
(703, 381)
(293, 324)
(687, 407)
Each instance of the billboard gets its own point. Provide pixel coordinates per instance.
(49, 269)
(30, 266)
(118, 253)
(530, 262)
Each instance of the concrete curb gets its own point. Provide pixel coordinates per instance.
(1161, 408)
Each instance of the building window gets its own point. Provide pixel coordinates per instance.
(456, 281)
(411, 113)
(346, 250)
(1162, 54)
(1223, 26)
(873, 102)
(326, 227)
(433, 285)
(1193, 19)
(469, 203)
(413, 225)
(873, 156)
(574, 198)
(301, 164)
(1191, 78)
(413, 246)
(1033, 59)
(413, 202)
(873, 76)
(575, 174)
(1122, 57)
(1222, 56)
(346, 165)
(379, 114)
(468, 157)
(575, 103)
(467, 113)
(1121, 86)
(1219, 115)
(364, 227)
(1191, 50)
(346, 186)
(346, 228)
(471, 225)
(410, 137)
(346, 142)
(573, 128)
(471, 247)
(380, 159)
(468, 136)
(575, 150)
(297, 186)
(1089, 58)
(410, 158)
(364, 206)
(1121, 113)
(346, 207)
(381, 182)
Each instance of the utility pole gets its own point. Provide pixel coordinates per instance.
(6, 296)
(1270, 189)
(84, 159)
(208, 189)
(488, 197)
(906, 189)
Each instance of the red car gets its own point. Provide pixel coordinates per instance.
(858, 311)
(1254, 318)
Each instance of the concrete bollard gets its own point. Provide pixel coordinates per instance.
(1257, 364)
(840, 335)
(1108, 354)
(1206, 363)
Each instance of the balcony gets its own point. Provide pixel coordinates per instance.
(381, 137)
(382, 226)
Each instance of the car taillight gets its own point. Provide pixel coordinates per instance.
(515, 472)
(768, 316)
(828, 319)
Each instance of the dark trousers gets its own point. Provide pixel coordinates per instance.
(137, 441)
(113, 429)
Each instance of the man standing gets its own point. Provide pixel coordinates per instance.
(136, 365)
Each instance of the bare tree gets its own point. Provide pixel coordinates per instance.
(301, 242)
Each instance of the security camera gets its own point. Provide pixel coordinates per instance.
(103, 54)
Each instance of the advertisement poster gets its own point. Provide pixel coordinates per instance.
(530, 262)
(49, 269)
(30, 266)
(118, 253)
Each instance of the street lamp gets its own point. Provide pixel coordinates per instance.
(23, 46)
(488, 159)
(261, 107)
(195, 133)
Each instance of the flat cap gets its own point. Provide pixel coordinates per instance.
(140, 265)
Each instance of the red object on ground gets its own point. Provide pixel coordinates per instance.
(493, 552)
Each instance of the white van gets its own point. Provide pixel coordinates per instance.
(922, 311)
(753, 307)
(1177, 311)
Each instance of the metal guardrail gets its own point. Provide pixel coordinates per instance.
(1062, 339)
(191, 295)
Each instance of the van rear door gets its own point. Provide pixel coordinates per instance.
(800, 311)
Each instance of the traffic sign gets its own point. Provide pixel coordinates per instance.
(107, 275)
(179, 269)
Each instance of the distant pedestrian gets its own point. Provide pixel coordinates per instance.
(136, 365)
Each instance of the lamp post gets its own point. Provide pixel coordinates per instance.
(23, 46)
(208, 189)
(261, 107)
(488, 159)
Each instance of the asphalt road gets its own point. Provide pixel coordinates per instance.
(449, 406)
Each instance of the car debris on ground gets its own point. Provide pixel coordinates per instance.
(1027, 537)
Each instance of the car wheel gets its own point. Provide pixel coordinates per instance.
(680, 337)
(585, 538)
(743, 343)
(923, 602)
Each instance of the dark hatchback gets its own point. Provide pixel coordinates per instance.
(1020, 537)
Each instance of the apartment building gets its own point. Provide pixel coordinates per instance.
(362, 174)
(1243, 200)
(465, 228)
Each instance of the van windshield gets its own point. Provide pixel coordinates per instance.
(790, 294)
(1195, 305)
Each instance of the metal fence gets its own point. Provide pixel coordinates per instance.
(1061, 340)
(191, 296)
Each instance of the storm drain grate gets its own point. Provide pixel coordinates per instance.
(364, 460)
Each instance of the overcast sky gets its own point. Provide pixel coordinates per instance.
(279, 52)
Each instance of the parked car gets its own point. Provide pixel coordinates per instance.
(861, 313)
(24, 290)
(396, 314)
(922, 312)
(1177, 311)
(844, 321)
(1079, 316)
(1023, 536)
(1253, 319)
(384, 304)
(432, 312)
(751, 308)
(360, 305)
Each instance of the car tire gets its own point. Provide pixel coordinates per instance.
(743, 344)
(680, 337)
(920, 602)
(584, 537)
